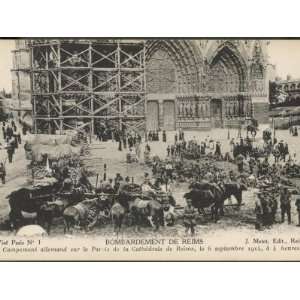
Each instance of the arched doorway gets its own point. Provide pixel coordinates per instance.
(152, 115)
(216, 113)
(173, 66)
(169, 115)
(228, 70)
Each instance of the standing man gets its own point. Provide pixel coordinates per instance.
(176, 137)
(274, 206)
(285, 151)
(19, 138)
(2, 173)
(189, 217)
(276, 154)
(164, 136)
(297, 203)
(240, 163)
(252, 164)
(172, 150)
(281, 150)
(10, 132)
(4, 132)
(168, 150)
(285, 204)
(258, 212)
(218, 149)
(15, 141)
(10, 151)
(169, 170)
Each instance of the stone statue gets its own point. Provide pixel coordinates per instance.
(197, 109)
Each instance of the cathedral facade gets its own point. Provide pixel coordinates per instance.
(204, 84)
(141, 84)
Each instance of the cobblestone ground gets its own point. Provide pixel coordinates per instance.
(107, 152)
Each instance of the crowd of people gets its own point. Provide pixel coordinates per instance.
(269, 166)
(12, 138)
(269, 162)
(153, 135)
(266, 207)
(265, 167)
(127, 139)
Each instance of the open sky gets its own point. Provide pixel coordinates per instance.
(285, 54)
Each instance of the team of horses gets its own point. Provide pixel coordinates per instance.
(78, 209)
(130, 205)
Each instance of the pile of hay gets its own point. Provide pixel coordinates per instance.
(54, 152)
(50, 140)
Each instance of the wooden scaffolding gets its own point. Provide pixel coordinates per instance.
(85, 84)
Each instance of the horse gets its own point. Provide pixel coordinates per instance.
(25, 205)
(54, 209)
(252, 127)
(206, 194)
(118, 213)
(150, 210)
(83, 214)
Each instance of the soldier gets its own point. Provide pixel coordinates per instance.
(240, 163)
(2, 173)
(9, 132)
(276, 154)
(265, 166)
(130, 141)
(281, 148)
(252, 164)
(218, 149)
(296, 131)
(285, 151)
(168, 150)
(169, 170)
(147, 148)
(297, 203)
(267, 209)
(139, 138)
(285, 204)
(202, 148)
(176, 137)
(15, 141)
(182, 135)
(172, 150)
(10, 151)
(4, 132)
(258, 212)
(164, 136)
(189, 217)
(117, 180)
